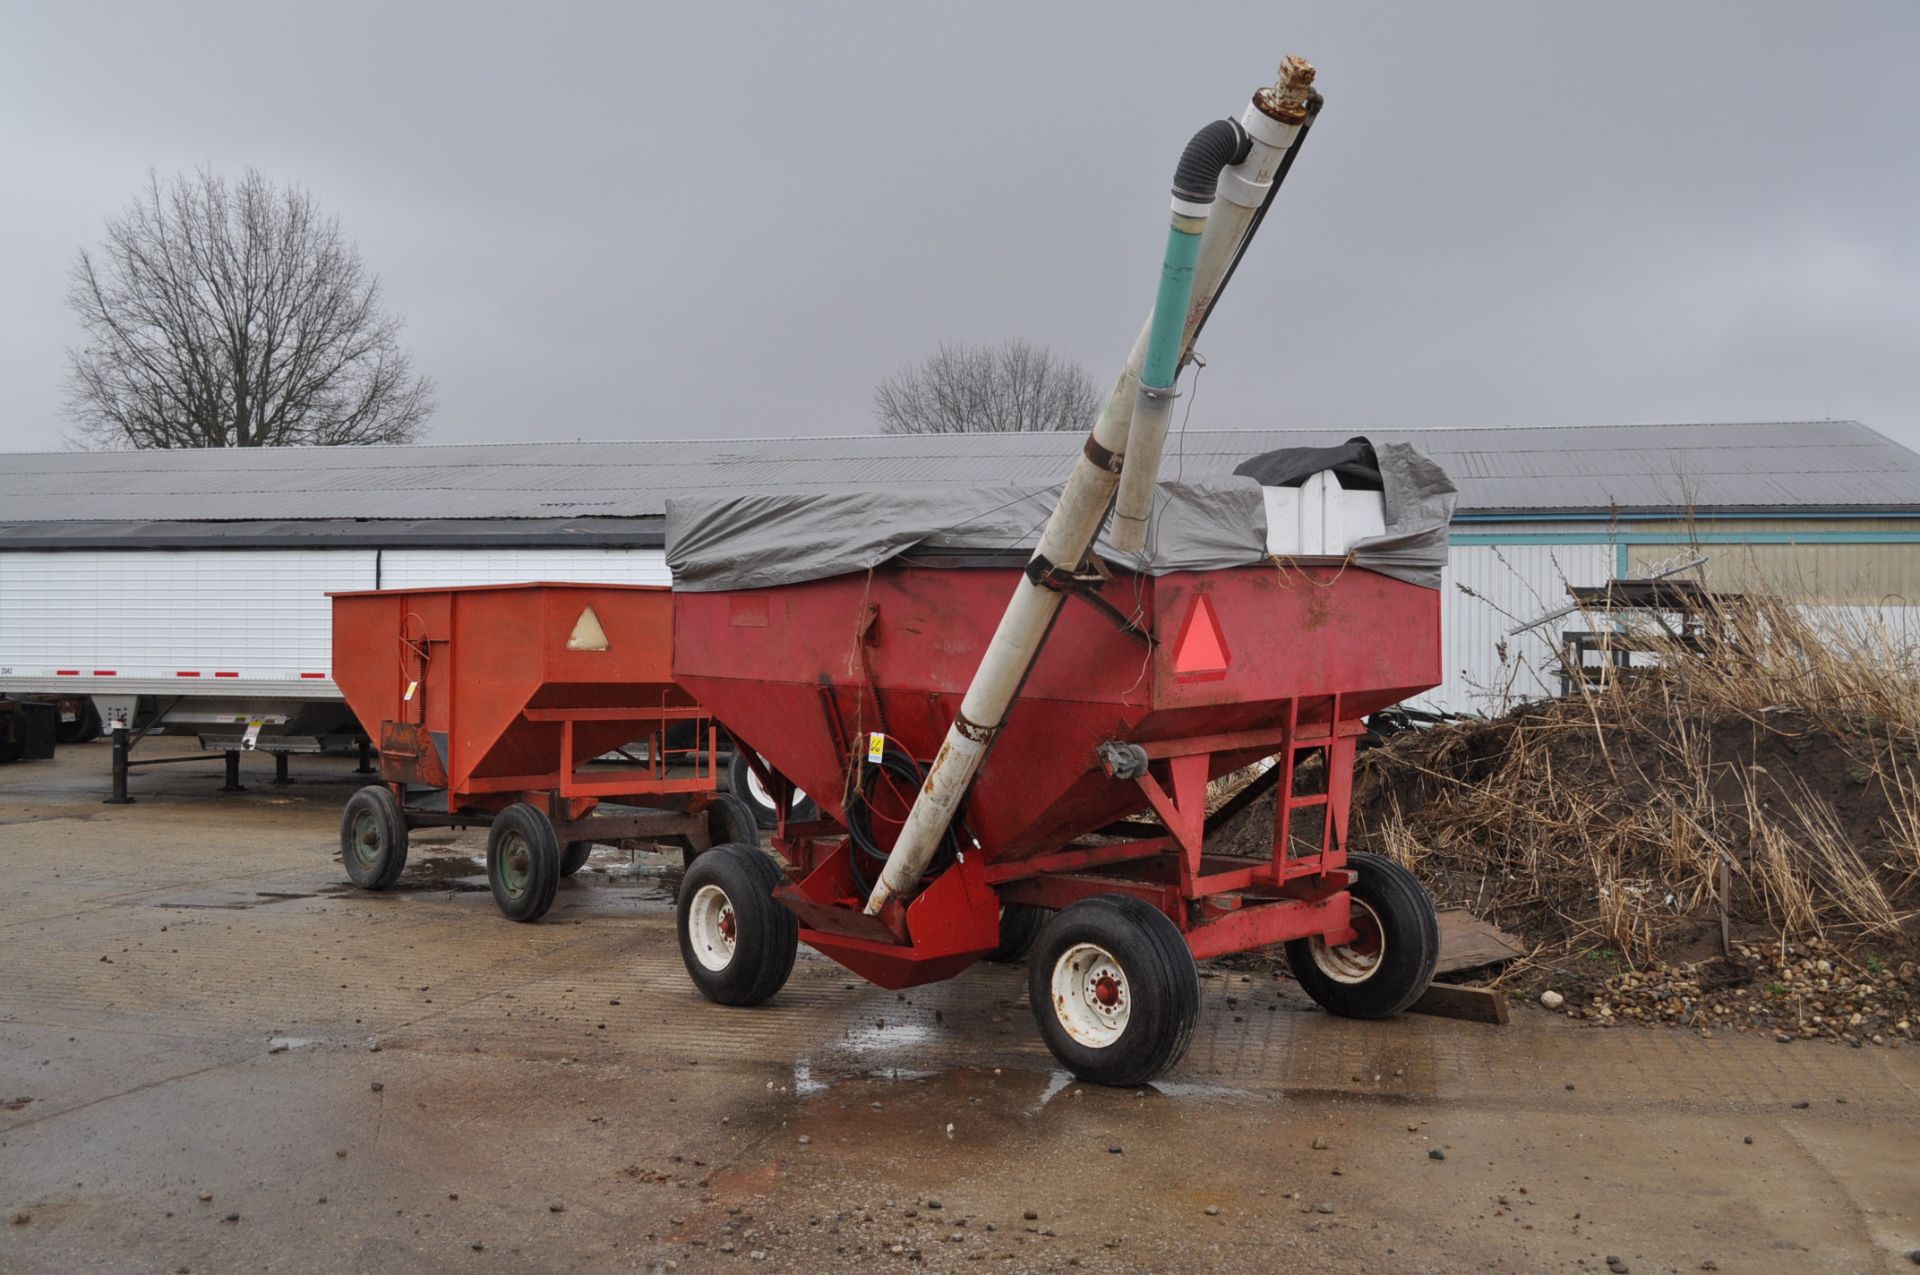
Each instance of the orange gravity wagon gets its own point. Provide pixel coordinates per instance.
(493, 703)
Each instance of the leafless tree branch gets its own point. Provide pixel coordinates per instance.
(223, 314)
(1012, 387)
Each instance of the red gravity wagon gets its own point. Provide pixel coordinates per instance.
(1088, 824)
(490, 704)
(1008, 732)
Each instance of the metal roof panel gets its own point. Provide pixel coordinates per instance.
(1650, 468)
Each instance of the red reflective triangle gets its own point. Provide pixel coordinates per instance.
(1201, 653)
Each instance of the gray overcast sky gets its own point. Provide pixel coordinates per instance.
(654, 221)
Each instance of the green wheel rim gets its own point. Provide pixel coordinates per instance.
(367, 847)
(516, 864)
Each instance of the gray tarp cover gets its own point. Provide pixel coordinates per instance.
(760, 540)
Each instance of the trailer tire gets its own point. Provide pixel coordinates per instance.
(1392, 963)
(523, 862)
(738, 943)
(373, 838)
(744, 784)
(1114, 989)
(83, 729)
(574, 857)
(1020, 925)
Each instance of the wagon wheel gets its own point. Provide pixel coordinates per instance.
(1020, 925)
(1390, 961)
(523, 862)
(738, 943)
(730, 822)
(373, 838)
(1115, 990)
(746, 785)
(574, 857)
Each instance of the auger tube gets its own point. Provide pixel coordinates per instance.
(1272, 123)
(1200, 247)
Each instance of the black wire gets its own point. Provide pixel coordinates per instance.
(898, 762)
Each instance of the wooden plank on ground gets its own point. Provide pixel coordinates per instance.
(1474, 1004)
(1468, 943)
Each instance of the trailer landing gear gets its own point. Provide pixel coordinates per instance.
(738, 943)
(1114, 989)
(1391, 959)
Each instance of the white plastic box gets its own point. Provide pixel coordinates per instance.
(1320, 518)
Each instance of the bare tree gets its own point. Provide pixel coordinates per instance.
(1012, 387)
(235, 315)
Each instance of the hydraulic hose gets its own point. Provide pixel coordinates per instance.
(1219, 145)
(897, 762)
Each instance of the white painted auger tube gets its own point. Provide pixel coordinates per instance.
(1124, 445)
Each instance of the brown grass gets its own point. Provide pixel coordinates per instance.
(1767, 771)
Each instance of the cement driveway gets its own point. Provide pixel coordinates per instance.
(215, 1056)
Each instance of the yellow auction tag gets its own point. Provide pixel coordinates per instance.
(876, 746)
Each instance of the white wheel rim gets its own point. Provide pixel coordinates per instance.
(1350, 964)
(1090, 995)
(760, 794)
(711, 927)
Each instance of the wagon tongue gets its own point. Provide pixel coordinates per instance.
(1241, 162)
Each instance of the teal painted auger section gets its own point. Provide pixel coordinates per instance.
(1162, 362)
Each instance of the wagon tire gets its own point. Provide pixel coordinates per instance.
(373, 838)
(1114, 989)
(574, 857)
(1020, 925)
(732, 821)
(744, 784)
(523, 862)
(1391, 963)
(738, 943)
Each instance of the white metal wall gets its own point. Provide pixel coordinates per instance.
(434, 568)
(1487, 590)
(201, 615)
(205, 618)
(263, 614)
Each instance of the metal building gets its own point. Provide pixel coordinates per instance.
(197, 578)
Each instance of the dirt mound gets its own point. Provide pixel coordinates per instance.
(1636, 833)
(1731, 819)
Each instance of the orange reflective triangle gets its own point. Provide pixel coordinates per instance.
(1201, 653)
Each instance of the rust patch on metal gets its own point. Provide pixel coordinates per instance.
(1286, 101)
(1110, 461)
(408, 756)
(972, 730)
